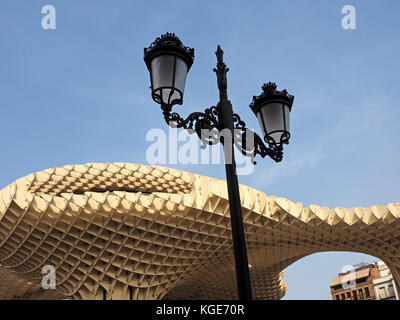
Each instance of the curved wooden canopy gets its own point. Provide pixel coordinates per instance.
(129, 231)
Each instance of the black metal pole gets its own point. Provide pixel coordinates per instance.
(238, 236)
(235, 208)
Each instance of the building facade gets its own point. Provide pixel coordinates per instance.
(365, 282)
(356, 284)
(385, 287)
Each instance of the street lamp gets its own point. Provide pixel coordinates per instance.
(168, 62)
(272, 109)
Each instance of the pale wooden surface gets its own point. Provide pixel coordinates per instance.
(166, 233)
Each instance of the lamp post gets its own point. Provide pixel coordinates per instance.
(168, 62)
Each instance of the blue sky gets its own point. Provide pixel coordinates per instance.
(80, 93)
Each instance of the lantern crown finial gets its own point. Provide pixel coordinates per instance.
(269, 87)
(168, 40)
(270, 93)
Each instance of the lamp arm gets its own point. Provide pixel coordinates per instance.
(207, 125)
(250, 143)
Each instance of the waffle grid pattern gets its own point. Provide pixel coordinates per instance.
(129, 231)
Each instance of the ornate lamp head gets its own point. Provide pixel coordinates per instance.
(168, 62)
(272, 108)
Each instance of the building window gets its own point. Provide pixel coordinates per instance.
(382, 293)
(348, 296)
(367, 295)
(342, 295)
(391, 290)
(337, 297)
(355, 295)
(360, 292)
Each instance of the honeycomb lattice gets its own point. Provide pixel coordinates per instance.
(128, 231)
